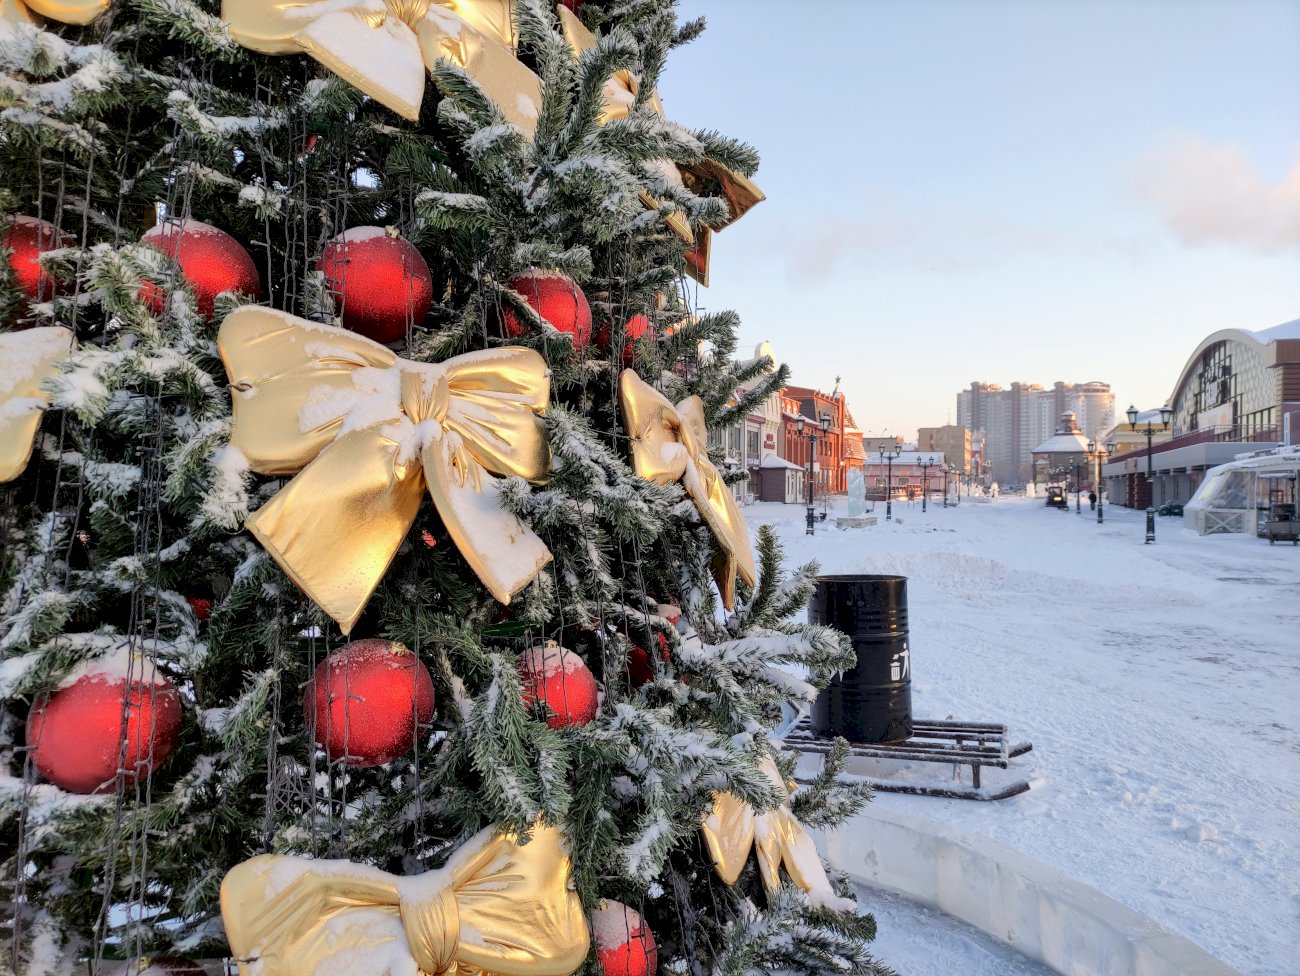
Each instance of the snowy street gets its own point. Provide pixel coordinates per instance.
(1157, 683)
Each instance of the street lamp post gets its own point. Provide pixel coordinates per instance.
(1099, 453)
(824, 422)
(946, 468)
(1078, 488)
(888, 457)
(925, 467)
(1166, 414)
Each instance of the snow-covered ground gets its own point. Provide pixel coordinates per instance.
(1160, 686)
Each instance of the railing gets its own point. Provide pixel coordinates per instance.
(1235, 433)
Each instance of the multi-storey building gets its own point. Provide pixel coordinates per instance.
(951, 440)
(1238, 392)
(878, 444)
(830, 473)
(1012, 422)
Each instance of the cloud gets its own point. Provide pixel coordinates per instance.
(1213, 194)
(887, 237)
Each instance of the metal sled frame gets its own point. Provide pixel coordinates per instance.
(973, 744)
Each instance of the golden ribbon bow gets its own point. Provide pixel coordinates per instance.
(384, 47)
(29, 358)
(369, 432)
(739, 191)
(496, 909)
(64, 11)
(669, 444)
(732, 827)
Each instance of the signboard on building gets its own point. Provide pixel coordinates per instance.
(769, 441)
(1220, 416)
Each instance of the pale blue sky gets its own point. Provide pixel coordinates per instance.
(1001, 190)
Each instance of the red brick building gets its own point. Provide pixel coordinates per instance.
(830, 472)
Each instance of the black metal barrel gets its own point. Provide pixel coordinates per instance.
(873, 701)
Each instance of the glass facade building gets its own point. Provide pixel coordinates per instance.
(1232, 388)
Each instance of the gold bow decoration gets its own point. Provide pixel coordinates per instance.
(496, 909)
(29, 357)
(702, 178)
(732, 827)
(65, 11)
(385, 47)
(670, 444)
(366, 434)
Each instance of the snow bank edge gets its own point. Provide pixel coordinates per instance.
(1070, 928)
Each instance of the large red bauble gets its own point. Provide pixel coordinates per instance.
(639, 668)
(636, 327)
(380, 281)
(557, 299)
(201, 606)
(624, 944)
(365, 701)
(76, 733)
(560, 680)
(29, 238)
(210, 260)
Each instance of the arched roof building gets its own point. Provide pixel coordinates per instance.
(1238, 392)
(1236, 383)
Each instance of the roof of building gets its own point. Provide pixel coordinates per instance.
(772, 461)
(1073, 443)
(1066, 440)
(1287, 330)
(1261, 343)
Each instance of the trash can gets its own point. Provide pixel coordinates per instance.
(873, 701)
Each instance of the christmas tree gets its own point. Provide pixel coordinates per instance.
(359, 508)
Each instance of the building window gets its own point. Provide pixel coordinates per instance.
(755, 439)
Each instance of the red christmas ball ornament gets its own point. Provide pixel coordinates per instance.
(28, 238)
(625, 945)
(639, 668)
(637, 327)
(379, 280)
(210, 261)
(201, 606)
(574, 5)
(157, 966)
(76, 733)
(365, 701)
(557, 299)
(562, 681)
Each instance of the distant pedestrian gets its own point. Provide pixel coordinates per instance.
(1092, 500)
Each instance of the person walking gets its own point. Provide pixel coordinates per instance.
(1092, 500)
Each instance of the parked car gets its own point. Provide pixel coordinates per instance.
(1056, 497)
